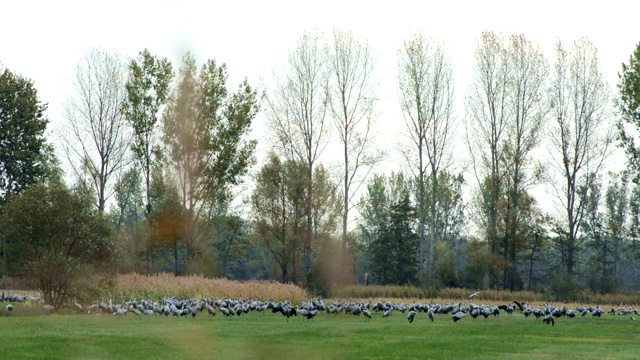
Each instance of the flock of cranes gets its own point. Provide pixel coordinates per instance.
(310, 309)
(16, 298)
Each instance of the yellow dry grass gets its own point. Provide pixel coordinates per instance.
(155, 286)
(411, 293)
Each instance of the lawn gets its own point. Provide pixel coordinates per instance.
(271, 336)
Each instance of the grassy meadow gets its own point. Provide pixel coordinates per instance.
(271, 336)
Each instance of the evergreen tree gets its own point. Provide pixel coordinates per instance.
(403, 242)
(388, 232)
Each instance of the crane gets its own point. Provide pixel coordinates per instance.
(412, 315)
(458, 316)
(78, 306)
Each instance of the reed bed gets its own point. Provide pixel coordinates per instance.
(137, 286)
(461, 294)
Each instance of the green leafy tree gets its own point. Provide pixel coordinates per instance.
(232, 245)
(56, 236)
(616, 218)
(168, 224)
(206, 135)
(374, 210)
(448, 213)
(605, 230)
(129, 199)
(632, 247)
(279, 210)
(130, 225)
(24, 154)
(634, 221)
(147, 93)
(629, 106)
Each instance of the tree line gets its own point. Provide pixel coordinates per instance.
(159, 154)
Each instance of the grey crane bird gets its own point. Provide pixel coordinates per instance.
(366, 313)
(210, 309)
(412, 315)
(121, 312)
(458, 316)
(35, 300)
(78, 306)
(388, 312)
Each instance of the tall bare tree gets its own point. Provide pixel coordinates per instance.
(353, 92)
(95, 117)
(506, 112)
(486, 119)
(425, 79)
(580, 138)
(528, 109)
(297, 109)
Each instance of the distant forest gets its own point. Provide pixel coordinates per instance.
(166, 178)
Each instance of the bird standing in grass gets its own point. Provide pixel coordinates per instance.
(78, 306)
(366, 313)
(457, 316)
(388, 312)
(210, 309)
(412, 315)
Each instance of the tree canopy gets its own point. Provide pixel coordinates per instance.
(24, 152)
(55, 237)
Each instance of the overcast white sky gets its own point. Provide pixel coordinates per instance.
(43, 40)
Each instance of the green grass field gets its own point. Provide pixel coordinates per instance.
(270, 336)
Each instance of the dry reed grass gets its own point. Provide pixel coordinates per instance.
(136, 286)
(486, 296)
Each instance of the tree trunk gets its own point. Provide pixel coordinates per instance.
(533, 251)
(175, 257)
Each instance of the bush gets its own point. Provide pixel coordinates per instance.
(54, 235)
(92, 287)
(565, 288)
